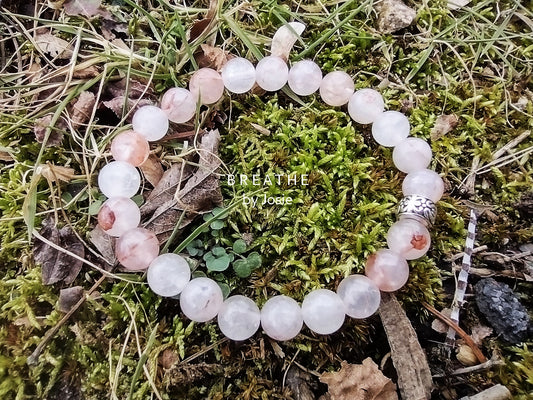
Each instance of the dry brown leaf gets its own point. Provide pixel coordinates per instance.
(69, 297)
(443, 125)
(197, 29)
(284, 39)
(57, 266)
(85, 73)
(116, 105)
(152, 169)
(6, 156)
(56, 173)
(212, 57)
(439, 326)
(168, 358)
(56, 136)
(82, 108)
(359, 382)
(53, 45)
(105, 244)
(88, 8)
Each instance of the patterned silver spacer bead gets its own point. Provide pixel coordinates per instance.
(419, 208)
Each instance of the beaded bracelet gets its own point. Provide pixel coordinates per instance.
(281, 317)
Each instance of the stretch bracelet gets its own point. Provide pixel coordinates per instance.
(281, 317)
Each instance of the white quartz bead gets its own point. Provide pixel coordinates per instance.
(272, 73)
(119, 179)
(151, 122)
(238, 75)
(360, 295)
(118, 215)
(387, 269)
(239, 318)
(179, 105)
(365, 106)
(305, 77)
(323, 311)
(281, 318)
(390, 128)
(411, 154)
(137, 248)
(206, 84)
(168, 274)
(336, 88)
(409, 238)
(201, 299)
(424, 182)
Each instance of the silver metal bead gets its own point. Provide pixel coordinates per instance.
(417, 207)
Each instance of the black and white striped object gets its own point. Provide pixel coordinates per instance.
(462, 280)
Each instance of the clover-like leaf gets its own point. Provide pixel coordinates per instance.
(242, 268)
(254, 260)
(217, 224)
(239, 246)
(225, 289)
(217, 264)
(218, 251)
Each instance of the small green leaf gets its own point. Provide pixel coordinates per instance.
(94, 207)
(254, 260)
(218, 264)
(225, 289)
(207, 217)
(217, 224)
(242, 268)
(193, 251)
(239, 246)
(218, 251)
(198, 274)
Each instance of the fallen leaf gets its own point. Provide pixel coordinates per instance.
(56, 173)
(53, 45)
(152, 169)
(69, 297)
(439, 326)
(359, 382)
(212, 57)
(168, 358)
(443, 125)
(116, 105)
(89, 8)
(56, 136)
(284, 39)
(57, 266)
(86, 73)
(82, 108)
(6, 156)
(197, 29)
(105, 244)
(133, 88)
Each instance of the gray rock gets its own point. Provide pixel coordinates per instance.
(393, 15)
(503, 310)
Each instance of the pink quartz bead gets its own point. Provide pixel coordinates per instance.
(365, 106)
(179, 105)
(137, 248)
(424, 182)
(238, 75)
(387, 269)
(272, 73)
(305, 77)
(119, 215)
(336, 88)
(207, 85)
(130, 147)
(412, 154)
(409, 238)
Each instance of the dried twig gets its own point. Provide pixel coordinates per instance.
(495, 361)
(465, 336)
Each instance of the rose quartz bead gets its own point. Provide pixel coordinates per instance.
(387, 269)
(151, 122)
(130, 147)
(201, 299)
(238, 75)
(360, 295)
(137, 248)
(390, 128)
(323, 311)
(281, 318)
(119, 179)
(424, 182)
(272, 73)
(409, 238)
(207, 85)
(412, 154)
(336, 88)
(305, 77)
(365, 106)
(119, 215)
(168, 274)
(179, 105)
(239, 318)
